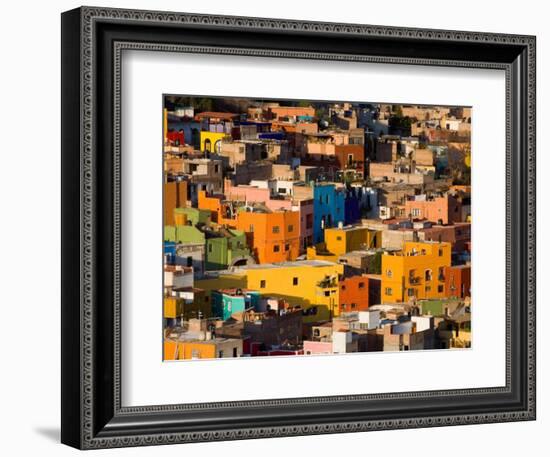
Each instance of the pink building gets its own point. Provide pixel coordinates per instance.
(317, 347)
(254, 194)
(305, 208)
(445, 209)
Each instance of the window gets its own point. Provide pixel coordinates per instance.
(210, 247)
(343, 306)
(275, 229)
(195, 354)
(428, 289)
(353, 306)
(276, 248)
(441, 253)
(287, 247)
(290, 228)
(216, 169)
(295, 281)
(234, 352)
(440, 289)
(220, 354)
(361, 285)
(388, 291)
(428, 275)
(338, 238)
(389, 273)
(343, 287)
(411, 292)
(262, 284)
(415, 212)
(189, 261)
(327, 293)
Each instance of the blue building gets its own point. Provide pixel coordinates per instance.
(228, 301)
(361, 201)
(328, 209)
(169, 252)
(352, 212)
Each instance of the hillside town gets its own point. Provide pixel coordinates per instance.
(311, 228)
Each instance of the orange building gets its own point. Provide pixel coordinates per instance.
(278, 112)
(175, 196)
(354, 294)
(357, 293)
(418, 271)
(273, 237)
(216, 348)
(222, 211)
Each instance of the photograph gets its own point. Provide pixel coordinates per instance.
(266, 227)
(310, 227)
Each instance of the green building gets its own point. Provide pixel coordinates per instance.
(194, 215)
(226, 248)
(229, 301)
(184, 234)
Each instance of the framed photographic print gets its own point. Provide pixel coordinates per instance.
(275, 228)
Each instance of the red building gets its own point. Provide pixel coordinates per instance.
(458, 281)
(175, 138)
(357, 293)
(350, 156)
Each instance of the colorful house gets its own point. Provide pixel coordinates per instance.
(225, 302)
(416, 272)
(184, 234)
(211, 141)
(225, 248)
(216, 348)
(341, 240)
(328, 209)
(357, 293)
(444, 210)
(310, 284)
(186, 303)
(175, 196)
(458, 281)
(192, 216)
(272, 236)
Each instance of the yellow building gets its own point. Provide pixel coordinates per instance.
(352, 238)
(211, 141)
(217, 348)
(311, 284)
(415, 272)
(190, 303)
(339, 241)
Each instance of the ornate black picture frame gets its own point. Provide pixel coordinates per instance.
(92, 42)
